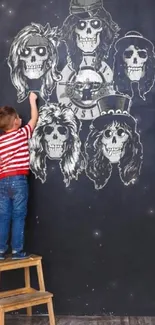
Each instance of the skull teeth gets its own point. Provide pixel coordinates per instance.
(85, 40)
(33, 67)
(139, 68)
(112, 151)
(55, 147)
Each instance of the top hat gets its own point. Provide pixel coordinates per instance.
(134, 37)
(111, 107)
(82, 6)
(114, 104)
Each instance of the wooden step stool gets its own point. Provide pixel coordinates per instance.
(25, 297)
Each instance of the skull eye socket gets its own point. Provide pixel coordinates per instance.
(48, 129)
(121, 132)
(128, 54)
(26, 52)
(96, 23)
(142, 54)
(82, 24)
(62, 130)
(108, 133)
(41, 50)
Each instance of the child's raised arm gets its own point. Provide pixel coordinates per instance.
(34, 110)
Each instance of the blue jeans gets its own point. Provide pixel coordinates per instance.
(13, 210)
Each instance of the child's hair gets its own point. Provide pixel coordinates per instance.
(6, 117)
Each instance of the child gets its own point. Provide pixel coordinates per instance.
(14, 168)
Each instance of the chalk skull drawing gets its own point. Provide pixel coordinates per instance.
(134, 62)
(33, 56)
(113, 139)
(56, 137)
(89, 30)
(88, 34)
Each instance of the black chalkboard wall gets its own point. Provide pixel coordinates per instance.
(92, 186)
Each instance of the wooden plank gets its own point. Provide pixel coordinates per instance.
(24, 300)
(51, 312)
(24, 297)
(26, 305)
(27, 277)
(10, 264)
(40, 276)
(16, 292)
(77, 320)
(28, 285)
(9, 259)
(2, 320)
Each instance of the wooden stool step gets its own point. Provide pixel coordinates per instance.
(24, 300)
(26, 297)
(27, 300)
(16, 292)
(9, 264)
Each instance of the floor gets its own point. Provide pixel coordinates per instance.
(72, 320)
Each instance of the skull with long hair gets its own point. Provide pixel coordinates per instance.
(33, 56)
(56, 137)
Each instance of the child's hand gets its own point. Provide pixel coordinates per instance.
(32, 97)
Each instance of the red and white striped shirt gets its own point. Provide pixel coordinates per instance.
(14, 152)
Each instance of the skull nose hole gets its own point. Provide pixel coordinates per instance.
(88, 31)
(33, 59)
(135, 60)
(114, 140)
(55, 136)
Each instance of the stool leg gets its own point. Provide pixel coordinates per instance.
(28, 285)
(1, 316)
(51, 312)
(40, 277)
